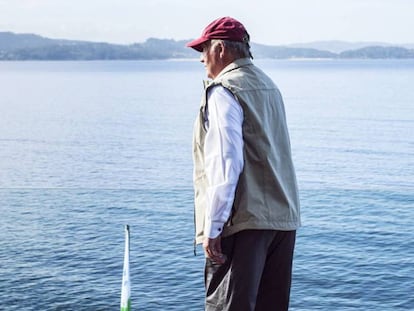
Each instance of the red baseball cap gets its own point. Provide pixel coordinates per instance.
(225, 28)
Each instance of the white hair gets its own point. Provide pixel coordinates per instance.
(238, 49)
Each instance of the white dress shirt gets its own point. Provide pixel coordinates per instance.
(223, 154)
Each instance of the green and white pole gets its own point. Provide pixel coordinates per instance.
(126, 283)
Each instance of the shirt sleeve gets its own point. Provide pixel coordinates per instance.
(223, 153)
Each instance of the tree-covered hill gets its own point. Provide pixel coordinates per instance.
(33, 47)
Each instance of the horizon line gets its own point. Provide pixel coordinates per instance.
(177, 40)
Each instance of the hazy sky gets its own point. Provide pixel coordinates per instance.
(268, 21)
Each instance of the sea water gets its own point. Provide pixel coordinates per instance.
(87, 147)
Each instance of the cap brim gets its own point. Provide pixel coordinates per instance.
(197, 44)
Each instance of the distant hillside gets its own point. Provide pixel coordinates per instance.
(33, 47)
(336, 46)
(11, 41)
(378, 52)
(283, 52)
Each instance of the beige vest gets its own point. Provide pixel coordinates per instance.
(267, 194)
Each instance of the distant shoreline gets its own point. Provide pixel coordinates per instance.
(196, 60)
(22, 47)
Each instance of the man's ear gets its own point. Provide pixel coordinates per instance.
(221, 49)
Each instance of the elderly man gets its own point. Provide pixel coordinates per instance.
(246, 196)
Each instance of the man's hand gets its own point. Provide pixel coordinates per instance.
(212, 250)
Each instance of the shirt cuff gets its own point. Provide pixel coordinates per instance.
(213, 229)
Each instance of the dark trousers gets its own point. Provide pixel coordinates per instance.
(256, 275)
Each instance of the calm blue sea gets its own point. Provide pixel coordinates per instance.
(87, 147)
